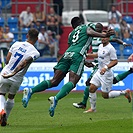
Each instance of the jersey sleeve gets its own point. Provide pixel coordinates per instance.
(35, 55)
(91, 25)
(32, 52)
(113, 55)
(12, 47)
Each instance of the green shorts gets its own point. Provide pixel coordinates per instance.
(71, 61)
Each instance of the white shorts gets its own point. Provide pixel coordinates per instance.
(8, 86)
(104, 81)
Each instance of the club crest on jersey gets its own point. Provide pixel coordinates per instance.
(35, 57)
(103, 52)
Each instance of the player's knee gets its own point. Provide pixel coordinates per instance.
(11, 96)
(54, 83)
(105, 96)
(91, 90)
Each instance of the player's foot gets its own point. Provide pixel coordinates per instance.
(3, 118)
(79, 105)
(53, 104)
(131, 69)
(128, 95)
(90, 111)
(26, 96)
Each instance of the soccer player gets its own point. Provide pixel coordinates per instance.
(19, 58)
(95, 44)
(72, 61)
(103, 78)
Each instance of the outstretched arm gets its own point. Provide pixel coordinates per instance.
(120, 42)
(92, 55)
(93, 33)
(110, 65)
(22, 65)
(130, 58)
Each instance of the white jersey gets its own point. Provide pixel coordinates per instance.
(20, 51)
(105, 55)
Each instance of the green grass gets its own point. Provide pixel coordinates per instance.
(112, 116)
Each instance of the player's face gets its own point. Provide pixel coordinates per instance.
(105, 40)
(98, 28)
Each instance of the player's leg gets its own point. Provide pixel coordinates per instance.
(75, 71)
(84, 101)
(86, 91)
(126, 93)
(122, 76)
(9, 104)
(28, 92)
(73, 79)
(108, 93)
(95, 83)
(93, 98)
(60, 73)
(13, 89)
(4, 87)
(2, 110)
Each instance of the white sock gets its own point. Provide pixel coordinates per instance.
(2, 102)
(113, 94)
(93, 98)
(8, 106)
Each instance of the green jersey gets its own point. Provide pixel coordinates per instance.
(79, 41)
(95, 44)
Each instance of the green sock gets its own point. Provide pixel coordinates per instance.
(42, 86)
(86, 95)
(120, 77)
(64, 90)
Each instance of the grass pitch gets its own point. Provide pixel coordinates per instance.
(112, 116)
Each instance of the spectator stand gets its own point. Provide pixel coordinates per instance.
(5, 4)
(12, 22)
(16, 32)
(24, 32)
(127, 52)
(118, 49)
(128, 19)
(2, 21)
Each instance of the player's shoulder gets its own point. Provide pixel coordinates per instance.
(91, 25)
(111, 46)
(17, 43)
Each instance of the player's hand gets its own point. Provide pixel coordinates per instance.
(7, 75)
(110, 32)
(89, 64)
(125, 45)
(130, 58)
(103, 70)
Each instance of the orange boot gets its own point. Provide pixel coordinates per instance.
(3, 118)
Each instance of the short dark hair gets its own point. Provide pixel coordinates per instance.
(33, 34)
(76, 21)
(99, 24)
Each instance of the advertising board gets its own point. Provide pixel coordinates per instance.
(38, 72)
